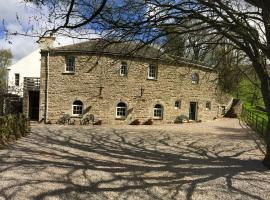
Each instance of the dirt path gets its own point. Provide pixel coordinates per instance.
(212, 160)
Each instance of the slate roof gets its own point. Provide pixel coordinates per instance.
(131, 49)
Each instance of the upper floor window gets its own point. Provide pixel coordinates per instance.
(177, 104)
(152, 72)
(77, 108)
(121, 110)
(208, 105)
(158, 111)
(123, 69)
(195, 78)
(70, 64)
(17, 79)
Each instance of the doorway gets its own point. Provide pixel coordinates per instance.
(193, 111)
(33, 105)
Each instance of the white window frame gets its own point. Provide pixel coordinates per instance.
(179, 106)
(121, 109)
(75, 107)
(195, 81)
(208, 107)
(152, 72)
(69, 64)
(17, 79)
(123, 69)
(158, 110)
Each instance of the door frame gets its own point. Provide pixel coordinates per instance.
(33, 95)
(195, 104)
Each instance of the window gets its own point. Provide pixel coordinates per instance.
(17, 79)
(195, 78)
(77, 108)
(208, 105)
(152, 73)
(177, 104)
(121, 110)
(158, 111)
(70, 64)
(123, 69)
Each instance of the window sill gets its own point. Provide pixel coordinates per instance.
(156, 118)
(68, 73)
(76, 116)
(120, 118)
(151, 79)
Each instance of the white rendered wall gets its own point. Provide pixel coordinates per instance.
(28, 66)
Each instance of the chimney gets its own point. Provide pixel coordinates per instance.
(46, 42)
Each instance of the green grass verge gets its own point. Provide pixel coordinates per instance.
(255, 118)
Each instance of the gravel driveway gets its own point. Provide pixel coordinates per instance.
(211, 160)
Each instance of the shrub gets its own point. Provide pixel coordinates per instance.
(181, 119)
(135, 122)
(13, 127)
(148, 122)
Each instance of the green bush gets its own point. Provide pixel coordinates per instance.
(13, 127)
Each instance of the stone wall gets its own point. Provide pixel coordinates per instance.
(92, 72)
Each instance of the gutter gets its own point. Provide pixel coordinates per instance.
(46, 86)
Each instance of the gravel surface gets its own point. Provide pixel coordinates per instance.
(211, 160)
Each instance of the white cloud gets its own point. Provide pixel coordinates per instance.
(17, 16)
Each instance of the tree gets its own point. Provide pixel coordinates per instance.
(5, 61)
(245, 23)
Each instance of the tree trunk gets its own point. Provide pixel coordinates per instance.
(266, 160)
(265, 89)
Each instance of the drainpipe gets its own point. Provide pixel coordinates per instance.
(47, 86)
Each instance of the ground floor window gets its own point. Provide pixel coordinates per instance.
(158, 111)
(77, 108)
(177, 104)
(121, 110)
(208, 105)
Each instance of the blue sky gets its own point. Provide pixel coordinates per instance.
(19, 45)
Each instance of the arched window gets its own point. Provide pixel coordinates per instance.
(195, 78)
(158, 111)
(121, 110)
(77, 108)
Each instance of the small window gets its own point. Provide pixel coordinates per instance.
(17, 79)
(195, 78)
(158, 111)
(177, 104)
(152, 72)
(121, 110)
(123, 69)
(208, 105)
(70, 64)
(77, 108)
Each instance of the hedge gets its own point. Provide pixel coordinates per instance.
(13, 127)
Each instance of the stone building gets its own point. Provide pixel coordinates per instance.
(117, 84)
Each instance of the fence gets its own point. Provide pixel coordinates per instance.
(10, 104)
(255, 119)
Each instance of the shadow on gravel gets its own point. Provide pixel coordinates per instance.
(127, 163)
